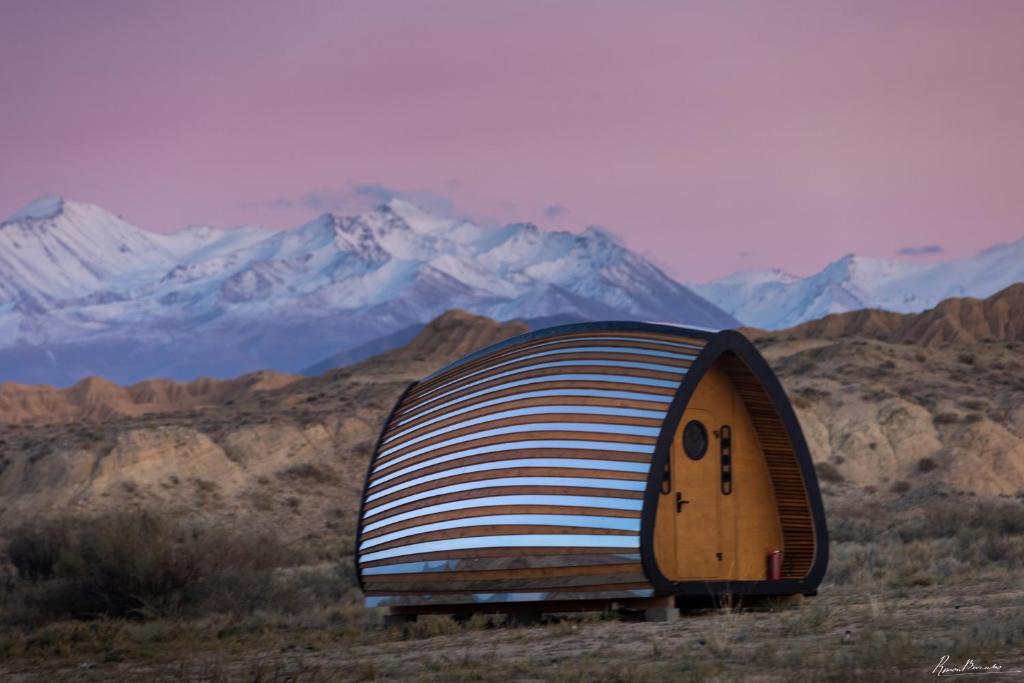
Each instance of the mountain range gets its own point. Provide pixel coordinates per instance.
(84, 292)
(774, 299)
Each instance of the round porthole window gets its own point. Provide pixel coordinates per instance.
(695, 440)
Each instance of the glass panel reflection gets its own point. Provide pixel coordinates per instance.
(637, 338)
(625, 350)
(581, 482)
(519, 562)
(574, 463)
(617, 523)
(522, 412)
(460, 584)
(594, 427)
(592, 393)
(509, 541)
(618, 379)
(528, 443)
(668, 369)
(466, 598)
(552, 499)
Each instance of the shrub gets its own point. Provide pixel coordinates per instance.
(900, 487)
(307, 472)
(926, 465)
(139, 564)
(35, 550)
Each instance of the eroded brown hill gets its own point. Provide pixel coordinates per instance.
(95, 398)
(291, 456)
(896, 417)
(999, 317)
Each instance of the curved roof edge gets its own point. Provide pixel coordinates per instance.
(601, 326)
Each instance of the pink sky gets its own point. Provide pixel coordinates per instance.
(711, 136)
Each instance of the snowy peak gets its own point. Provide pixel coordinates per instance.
(74, 276)
(47, 206)
(416, 218)
(60, 249)
(762, 299)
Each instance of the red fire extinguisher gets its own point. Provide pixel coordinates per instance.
(774, 564)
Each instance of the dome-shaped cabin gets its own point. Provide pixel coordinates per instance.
(586, 464)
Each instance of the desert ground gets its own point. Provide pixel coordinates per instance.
(203, 531)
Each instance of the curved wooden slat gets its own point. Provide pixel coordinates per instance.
(641, 341)
(484, 492)
(488, 475)
(509, 456)
(496, 530)
(424, 423)
(542, 373)
(393, 459)
(568, 417)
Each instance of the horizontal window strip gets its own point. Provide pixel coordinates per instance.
(632, 569)
(395, 523)
(556, 499)
(451, 584)
(485, 489)
(477, 532)
(592, 372)
(534, 563)
(598, 441)
(566, 476)
(612, 381)
(417, 420)
(619, 354)
(561, 341)
(569, 444)
(592, 427)
(654, 405)
(569, 482)
(615, 523)
(501, 554)
(567, 409)
(586, 424)
(383, 599)
(427, 465)
(510, 541)
(610, 465)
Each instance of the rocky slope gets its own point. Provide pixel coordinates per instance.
(95, 398)
(292, 457)
(903, 417)
(962, 320)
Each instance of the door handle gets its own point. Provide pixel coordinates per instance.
(680, 502)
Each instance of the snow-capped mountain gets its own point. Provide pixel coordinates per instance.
(82, 291)
(773, 299)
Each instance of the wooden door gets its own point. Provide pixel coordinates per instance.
(722, 531)
(695, 496)
(705, 524)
